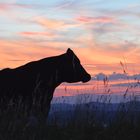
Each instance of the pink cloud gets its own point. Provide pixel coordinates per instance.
(55, 24)
(8, 6)
(4, 6)
(87, 19)
(30, 34)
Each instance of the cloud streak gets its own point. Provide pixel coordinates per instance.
(32, 34)
(65, 4)
(10, 6)
(16, 50)
(56, 24)
(99, 59)
(88, 19)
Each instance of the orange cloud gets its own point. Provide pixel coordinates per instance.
(107, 55)
(16, 53)
(95, 58)
(50, 23)
(55, 24)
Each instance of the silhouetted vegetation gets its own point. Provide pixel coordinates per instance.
(100, 120)
(94, 120)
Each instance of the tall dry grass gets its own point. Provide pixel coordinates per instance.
(85, 122)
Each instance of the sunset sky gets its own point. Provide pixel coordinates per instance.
(101, 32)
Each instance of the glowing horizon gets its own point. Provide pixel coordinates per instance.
(101, 33)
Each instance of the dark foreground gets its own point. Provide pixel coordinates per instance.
(91, 121)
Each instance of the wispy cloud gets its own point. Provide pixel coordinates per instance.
(88, 19)
(56, 24)
(50, 23)
(25, 50)
(100, 32)
(65, 4)
(8, 6)
(32, 34)
(100, 59)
